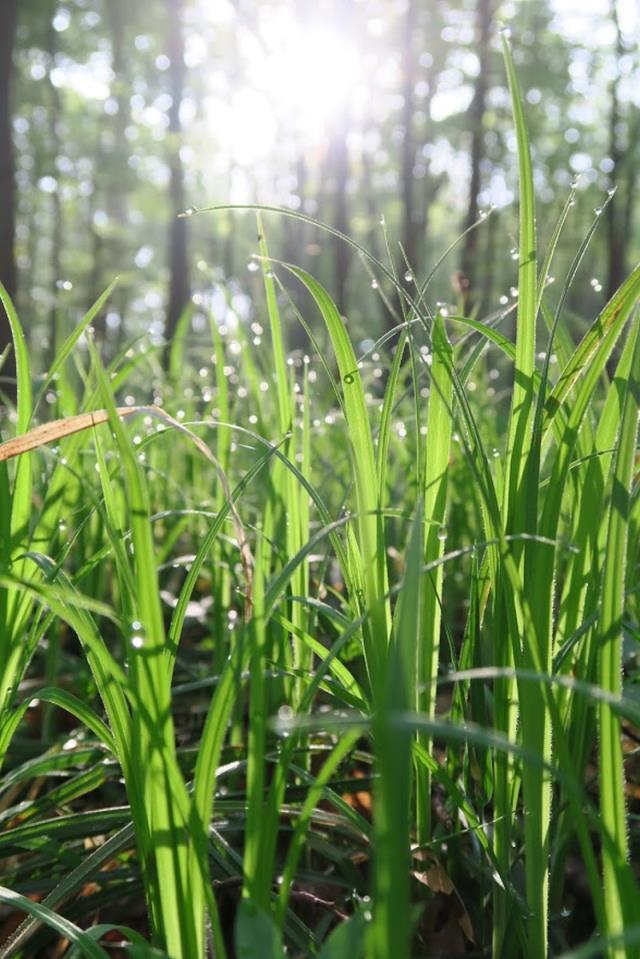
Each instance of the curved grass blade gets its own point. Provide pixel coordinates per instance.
(59, 924)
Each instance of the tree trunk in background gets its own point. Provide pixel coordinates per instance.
(57, 231)
(484, 16)
(338, 174)
(8, 272)
(617, 239)
(179, 288)
(118, 253)
(374, 234)
(339, 166)
(410, 212)
(632, 159)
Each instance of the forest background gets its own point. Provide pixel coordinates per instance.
(116, 116)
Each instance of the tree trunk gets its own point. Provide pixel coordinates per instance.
(632, 159)
(339, 167)
(617, 239)
(179, 288)
(8, 272)
(57, 231)
(338, 173)
(411, 214)
(118, 253)
(484, 16)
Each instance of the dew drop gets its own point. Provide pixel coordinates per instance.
(408, 277)
(374, 284)
(513, 253)
(597, 210)
(442, 533)
(252, 266)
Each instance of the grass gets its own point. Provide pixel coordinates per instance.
(312, 655)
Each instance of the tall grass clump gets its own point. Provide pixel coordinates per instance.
(303, 654)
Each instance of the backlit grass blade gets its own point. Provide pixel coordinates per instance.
(620, 911)
(519, 509)
(370, 533)
(14, 608)
(607, 326)
(437, 449)
(157, 789)
(517, 502)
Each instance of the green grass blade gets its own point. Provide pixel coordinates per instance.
(59, 924)
(619, 910)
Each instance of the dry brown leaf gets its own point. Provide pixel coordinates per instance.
(465, 925)
(58, 429)
(436, 879)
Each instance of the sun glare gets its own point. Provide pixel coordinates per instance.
(300, 79)
(314, 75)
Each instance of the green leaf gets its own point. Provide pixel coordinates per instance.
(256, 933)
(347, 940)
